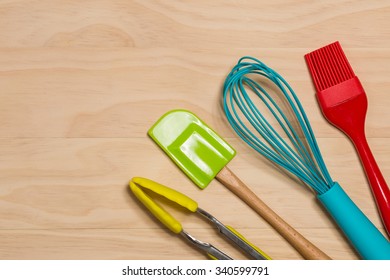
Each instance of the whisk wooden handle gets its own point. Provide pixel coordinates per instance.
(307, 249)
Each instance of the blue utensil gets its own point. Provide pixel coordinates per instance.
(293, 148)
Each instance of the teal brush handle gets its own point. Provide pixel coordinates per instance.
(361, 232)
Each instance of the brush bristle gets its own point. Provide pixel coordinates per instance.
(329, 66)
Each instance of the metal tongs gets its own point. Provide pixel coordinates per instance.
(137, 185)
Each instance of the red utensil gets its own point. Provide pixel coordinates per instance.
(344, 104)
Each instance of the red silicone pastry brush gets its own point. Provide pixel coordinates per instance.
(344, 103)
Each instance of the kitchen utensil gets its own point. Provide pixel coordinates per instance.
(202, 154)
(138, 185)
(294, 149)
(344, 104)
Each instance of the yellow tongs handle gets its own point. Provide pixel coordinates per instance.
(137, 184)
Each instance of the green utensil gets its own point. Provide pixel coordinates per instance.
(203, 156)
(192, 145)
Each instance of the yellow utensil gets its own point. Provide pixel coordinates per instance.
(138, 185)
(203, 155)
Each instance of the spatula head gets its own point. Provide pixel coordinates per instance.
(192, 145)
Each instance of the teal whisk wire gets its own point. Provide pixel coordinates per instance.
(292, 145)
(301, 157)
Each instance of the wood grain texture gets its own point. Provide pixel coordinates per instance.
(82, 82)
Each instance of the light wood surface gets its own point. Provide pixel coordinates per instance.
(82, 81)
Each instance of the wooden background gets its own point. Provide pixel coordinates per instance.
(82, 81)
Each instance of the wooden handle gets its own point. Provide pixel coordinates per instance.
(307, 249)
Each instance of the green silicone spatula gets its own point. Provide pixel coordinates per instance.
(203, 156)
(192, 145)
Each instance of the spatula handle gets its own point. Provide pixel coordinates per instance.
(300, 243)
